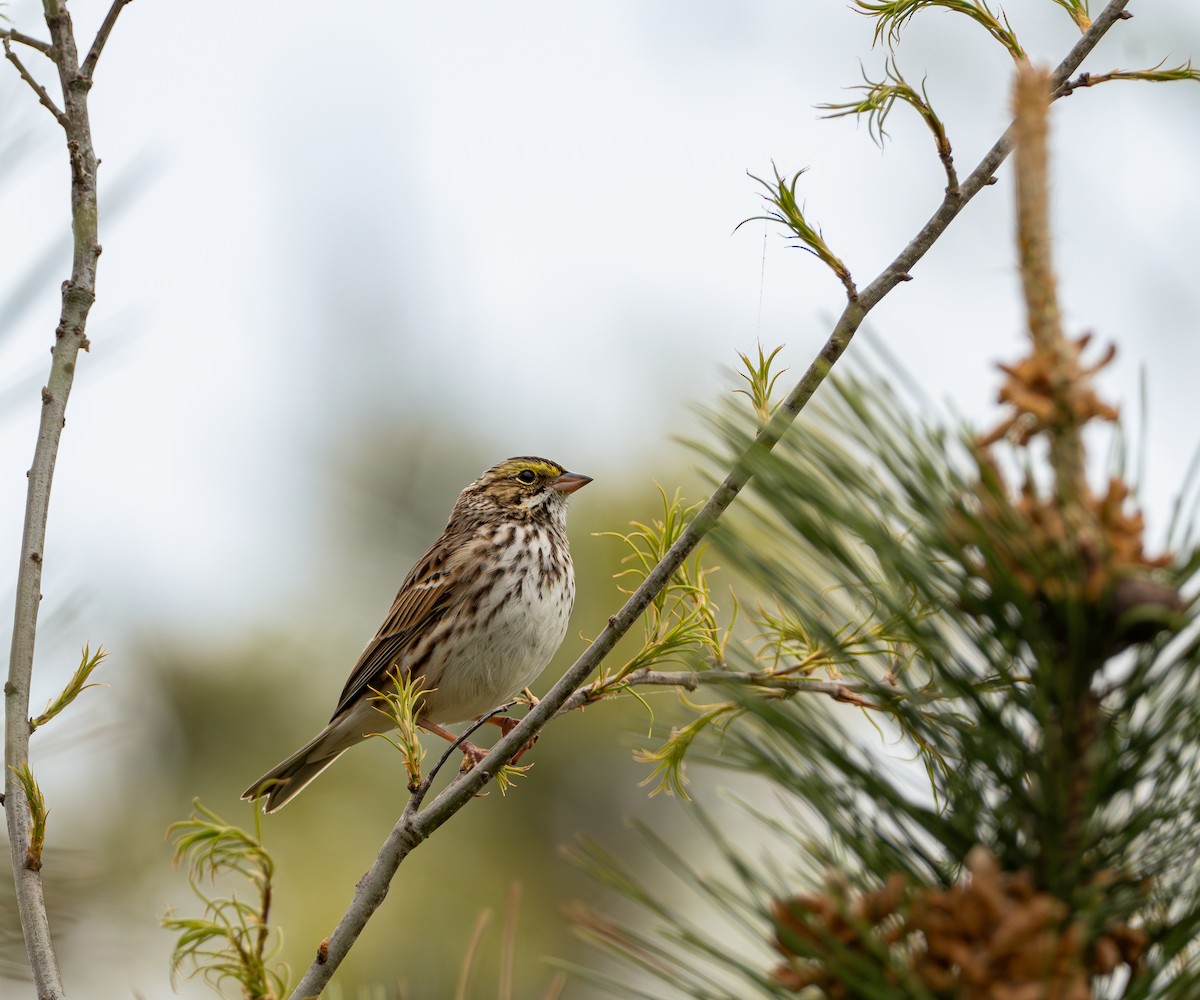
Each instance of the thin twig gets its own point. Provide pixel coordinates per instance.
(1154, 75)
(44, 99)
(947, 158)
(45, 48)
(413, 826)
(88, 69)
(689, 680)
(457, 744)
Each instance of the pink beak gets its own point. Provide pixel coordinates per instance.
(569, 482)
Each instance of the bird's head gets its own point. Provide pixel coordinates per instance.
(525, 487)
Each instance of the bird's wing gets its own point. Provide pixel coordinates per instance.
(430, 590)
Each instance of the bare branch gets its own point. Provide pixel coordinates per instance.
(415, 826)
(78, 294)
(43, 97)
(88, 68)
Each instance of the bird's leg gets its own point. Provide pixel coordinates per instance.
(472, 754)
(506, 725)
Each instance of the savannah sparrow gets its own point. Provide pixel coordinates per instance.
(476, 619)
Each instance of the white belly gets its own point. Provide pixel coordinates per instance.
(517, 636)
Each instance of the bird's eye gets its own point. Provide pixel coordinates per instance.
(526, 476)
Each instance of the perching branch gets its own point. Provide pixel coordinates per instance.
(78, 294)
(415, 826)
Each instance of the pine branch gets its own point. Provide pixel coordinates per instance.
(416, 826)
(1084, 808)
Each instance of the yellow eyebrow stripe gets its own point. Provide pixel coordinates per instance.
(519, 465)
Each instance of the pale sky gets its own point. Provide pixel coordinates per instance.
(518, 220)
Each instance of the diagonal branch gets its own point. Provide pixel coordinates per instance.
(416, 826)
(88, 69)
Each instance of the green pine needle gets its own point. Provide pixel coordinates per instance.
(669, 774)
(760, 382)
(1078, 9)
(880, 96)
(892, 15)
(681, 622)
(785, 210)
